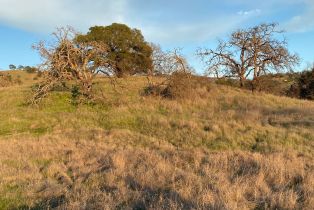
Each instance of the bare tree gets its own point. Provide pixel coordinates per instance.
(267, 53)
(174, 74)
(249, 53)
(167, 62)
(66, 60)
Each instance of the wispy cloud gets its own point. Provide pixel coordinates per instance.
(250, 12)
(302, 22)
(194, 32)
(162, 21)
(45, 15)
(170, 23)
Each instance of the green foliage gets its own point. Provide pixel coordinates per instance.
(152, 90)
(303, 86)
(12, 67)
(129, 53)
(75, 94)
(306, 85)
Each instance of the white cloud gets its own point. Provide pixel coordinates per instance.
(45, 15)
(302, 22)
(193, 32)
(250, 12)
(160, 21)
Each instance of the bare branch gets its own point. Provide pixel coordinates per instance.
(66, 60)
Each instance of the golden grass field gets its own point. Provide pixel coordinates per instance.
(224, 149)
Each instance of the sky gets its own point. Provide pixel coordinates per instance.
(184, 24)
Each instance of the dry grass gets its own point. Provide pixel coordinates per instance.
(225, 149)
(101, 173)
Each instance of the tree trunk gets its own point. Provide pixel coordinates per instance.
(242, 80)
(87, 88)
(255, 84)
(120, 73)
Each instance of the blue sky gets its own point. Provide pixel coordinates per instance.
(183, 24)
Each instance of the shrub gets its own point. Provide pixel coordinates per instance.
(153, 90)
(39, 74)
(293, 91)
(30, 70)
(176, 81)
(306, 85)
(303, 87)
(228, 82)
(180, 86)
(75, 94)
(7, 80)
(60, 87)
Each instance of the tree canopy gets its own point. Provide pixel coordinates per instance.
(129, 53)
(12, 67)
(250, 52)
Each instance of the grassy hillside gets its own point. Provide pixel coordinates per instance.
(225, 149)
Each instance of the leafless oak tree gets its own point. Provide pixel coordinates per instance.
(250, 53)
(66, 60)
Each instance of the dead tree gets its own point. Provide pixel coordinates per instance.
(66, 60)
(249, 53)
(168, 63)
(164, 63)
(267, 53)
(173, 72)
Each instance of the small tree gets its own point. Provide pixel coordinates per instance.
(66, 60)
(250, 53)
(166, 63)
(12, 67)
(175, 75)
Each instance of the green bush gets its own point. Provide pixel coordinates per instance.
(306, 85)
(153, 90)
(75, 94)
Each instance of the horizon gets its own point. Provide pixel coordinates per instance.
(177, 24)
